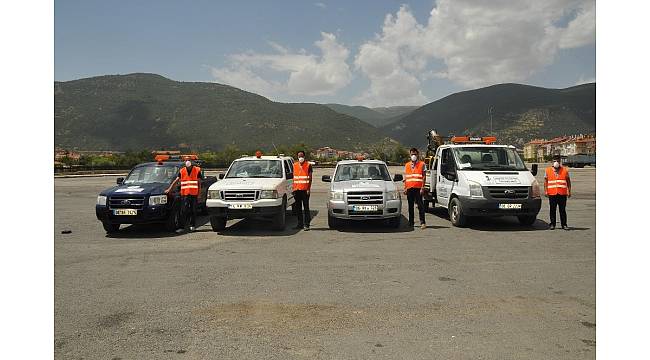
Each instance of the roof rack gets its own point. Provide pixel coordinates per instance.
(160, 158)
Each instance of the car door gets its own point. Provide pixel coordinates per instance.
(445, 173)
(288, 182)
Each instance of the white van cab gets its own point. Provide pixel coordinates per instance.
(473, 177)
(253, 187)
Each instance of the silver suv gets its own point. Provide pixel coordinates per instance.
(363, 189)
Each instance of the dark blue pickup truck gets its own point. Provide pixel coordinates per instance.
(140, 197)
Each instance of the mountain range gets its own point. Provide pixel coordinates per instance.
(148, 111)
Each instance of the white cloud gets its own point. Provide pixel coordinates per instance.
(479, 42)
(585, 80)
(320, 5)
(308, 74)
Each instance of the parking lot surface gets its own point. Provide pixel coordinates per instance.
(494, 290)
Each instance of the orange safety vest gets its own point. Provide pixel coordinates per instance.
(556, 183)
(414, 177)
(190, 182)
(301, 176)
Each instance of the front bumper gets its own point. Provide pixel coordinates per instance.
(490, 207)
(342, 210)
(147, 215)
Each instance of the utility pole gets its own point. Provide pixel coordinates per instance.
(490, 110)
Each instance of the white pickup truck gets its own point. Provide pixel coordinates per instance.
(473, 178)
(253, 187)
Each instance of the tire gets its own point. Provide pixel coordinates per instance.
(456, 215)
(173, 222)
(110, 227)
(394, 222)
(332, 222)
(527, 219)
(280, 219)
(427, 205)
(218, 223)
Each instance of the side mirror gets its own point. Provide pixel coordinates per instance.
(327, 178)
(289, 176)
(450, 176)
(221, 176)
(398, 177)
(120, 180)
(533, 169)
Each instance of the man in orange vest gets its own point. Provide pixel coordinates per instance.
(189, 177)
(302, 177)
(414, 178)
(557, 187)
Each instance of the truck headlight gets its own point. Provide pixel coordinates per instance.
(157, 200)
(392, 195)
(475, 189)
(336, 195)
(535, 189)
(213, 194)
(101, 200)
(269, 194)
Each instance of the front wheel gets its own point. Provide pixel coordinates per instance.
(394, 222)
(173, 222)
(218, 223)
(280, 219)
(527, 219)
(332, 222)
(110, 227)
(456, 215)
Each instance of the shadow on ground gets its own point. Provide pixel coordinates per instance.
(149, 231)
(259, 227)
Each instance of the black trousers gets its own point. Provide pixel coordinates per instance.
(554, 201)
(188, 210)
(413, 195)
(302, 207)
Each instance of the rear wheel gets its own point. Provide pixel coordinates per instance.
(527, 219)
(280, 219)
(110, 227)
(456, 213)
(218, 223)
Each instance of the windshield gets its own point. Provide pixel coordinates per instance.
(255, 169)
(488, 158)
(362, 171)
(151, 174)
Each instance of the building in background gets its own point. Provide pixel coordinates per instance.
(540, 150)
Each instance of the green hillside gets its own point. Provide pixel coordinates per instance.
(520, 112)
(139, 111)
(376, 117)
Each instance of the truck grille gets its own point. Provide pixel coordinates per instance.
(508, 192)
(365, 198)
(126, 202)
(240, 195)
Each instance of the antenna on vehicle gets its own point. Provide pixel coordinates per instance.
(277, 153)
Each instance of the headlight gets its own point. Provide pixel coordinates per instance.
(336, 195)
(101, 200)
(213, 194)
(269, 194)
(157, 200)
(392, 195)
(535, 191)
(475, 189)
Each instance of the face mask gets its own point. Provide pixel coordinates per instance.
(414, 158)
(301, 159)
(556, 164)
(188, 163)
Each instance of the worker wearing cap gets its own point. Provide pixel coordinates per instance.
(190, 186)
(302, 179)
(557, 187)
(414, 179)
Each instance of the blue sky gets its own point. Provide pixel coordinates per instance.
(375, 53)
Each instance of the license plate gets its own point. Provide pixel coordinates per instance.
(240, 206)
(365, 208)
(125, 212)
(509, 206)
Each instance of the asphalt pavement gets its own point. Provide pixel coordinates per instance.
(494, 290)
